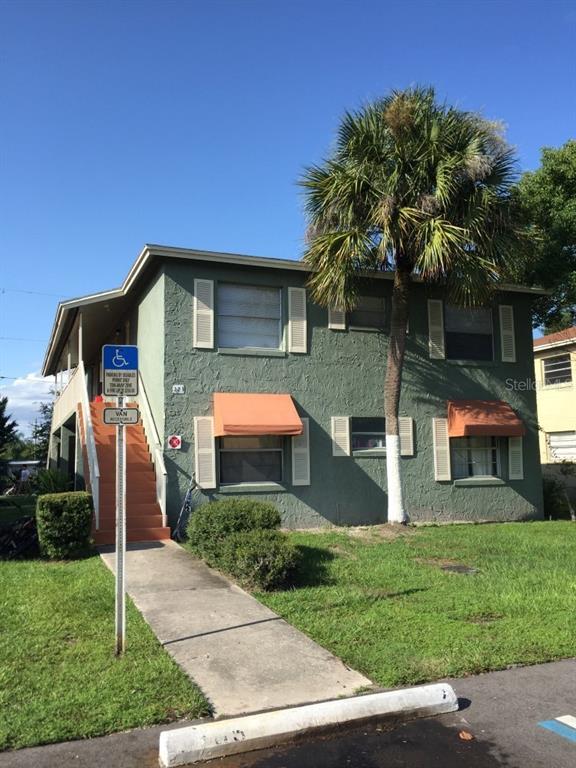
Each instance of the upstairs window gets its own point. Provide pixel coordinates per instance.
(368, 434)
(249, 317)
(370, 312)
(475, 457)
(557, 370)
(468, 333)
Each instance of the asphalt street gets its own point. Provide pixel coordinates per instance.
(500, 710)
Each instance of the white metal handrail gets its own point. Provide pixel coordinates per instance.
(67, 400)
(156, 446)
(66, 404)
(90, 441)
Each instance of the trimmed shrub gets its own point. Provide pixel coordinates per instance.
(64, 521)
(555, 504)
(211, 523)
(262, 559)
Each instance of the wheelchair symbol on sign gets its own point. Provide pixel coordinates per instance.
(119, 361)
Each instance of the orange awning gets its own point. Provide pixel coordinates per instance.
(255, 414)
(493, 418)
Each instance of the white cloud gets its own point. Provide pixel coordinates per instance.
(24, 396)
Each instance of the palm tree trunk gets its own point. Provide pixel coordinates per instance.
(392, 384)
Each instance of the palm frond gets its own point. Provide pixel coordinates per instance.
(412, 178)
(336, 259)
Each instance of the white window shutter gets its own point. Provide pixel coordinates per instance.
(337, 319)
(297, 327)
(204, 452)
(301, 456)
(442, 468)
(406, 431)
(436, 348)
(203, 314)
(340, 427)
(507, 333)
(515, 459)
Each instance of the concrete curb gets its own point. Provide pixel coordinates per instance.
(244, 734)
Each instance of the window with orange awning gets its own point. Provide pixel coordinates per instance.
(474, 418)
(243, 413)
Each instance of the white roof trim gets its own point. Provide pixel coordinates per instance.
(555, 344)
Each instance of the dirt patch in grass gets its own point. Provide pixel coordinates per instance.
(388, 594)
(341, 551)
(380, 533)
(452, 566)
(484, 618)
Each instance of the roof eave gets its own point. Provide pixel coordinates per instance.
(555, 344)
(151, 251)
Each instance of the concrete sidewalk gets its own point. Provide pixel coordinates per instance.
(243, 656)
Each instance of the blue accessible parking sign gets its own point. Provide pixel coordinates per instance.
(122, 357)
(120, 366)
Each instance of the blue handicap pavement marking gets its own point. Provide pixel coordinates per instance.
(564, 726)
(120, 357)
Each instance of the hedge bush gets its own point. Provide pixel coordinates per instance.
(555, 503)
(262, 559)
(64, 521)
(211, 523)
(241, 537)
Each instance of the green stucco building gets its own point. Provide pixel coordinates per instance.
(212, 323)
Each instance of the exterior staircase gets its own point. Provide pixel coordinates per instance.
(143, 514)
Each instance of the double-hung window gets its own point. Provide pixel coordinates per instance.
(370, 312)
(562, 446)
(475, 457)
(557, 370)
(249, 317)
(468, 333)
(368, 434)
(251, 459)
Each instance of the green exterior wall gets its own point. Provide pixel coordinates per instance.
(150, 337)
(341, 375)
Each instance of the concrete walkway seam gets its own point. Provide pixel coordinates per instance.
(244, 734)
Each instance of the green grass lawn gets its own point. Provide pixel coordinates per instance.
(59, 678)
(388, 609)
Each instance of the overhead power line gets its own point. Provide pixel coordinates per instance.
(33, 293)
(16, 338)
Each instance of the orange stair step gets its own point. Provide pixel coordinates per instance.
(138, 534)
(143, 516)
(108, 523)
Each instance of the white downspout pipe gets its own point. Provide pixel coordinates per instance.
(80, 340)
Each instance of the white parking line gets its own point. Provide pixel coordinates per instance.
(567, 720)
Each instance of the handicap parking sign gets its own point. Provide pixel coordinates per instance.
(120, 366)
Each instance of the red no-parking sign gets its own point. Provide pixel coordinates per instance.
(175, 442)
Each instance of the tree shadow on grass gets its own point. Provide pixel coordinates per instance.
(312, 569)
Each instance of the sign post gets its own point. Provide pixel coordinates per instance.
(120, 536)
(120, 366)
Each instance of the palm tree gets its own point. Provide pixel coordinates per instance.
(416, 187)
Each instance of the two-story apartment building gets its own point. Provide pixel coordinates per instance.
(276, 397)
(555, 377)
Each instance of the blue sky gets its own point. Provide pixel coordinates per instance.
(188, 123)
